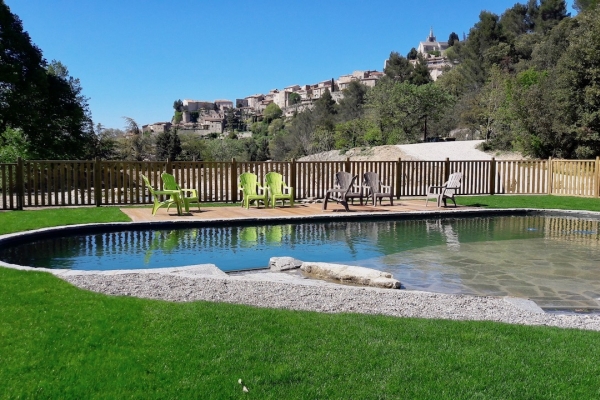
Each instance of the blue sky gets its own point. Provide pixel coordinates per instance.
(134, 58)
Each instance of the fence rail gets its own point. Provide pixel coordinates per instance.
(96, 182)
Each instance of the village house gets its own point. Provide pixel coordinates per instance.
(157, 127)
(434, 53)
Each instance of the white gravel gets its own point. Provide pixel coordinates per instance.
(455, 151)
(286, 291)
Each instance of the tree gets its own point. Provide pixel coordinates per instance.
(398, 68)
(420, 73)
(178, 105)
(135, 145)
(294, 98)
(401, 110)
(232, 120)
(578, 92)
(550, 13)
(351, 106)
(583, 5)
(41, 101)
(14, 146)
(271, 112)
(452, 39)
(325, 110)
(412, 54)
(351, 134)
(193, 147)
(168, 145)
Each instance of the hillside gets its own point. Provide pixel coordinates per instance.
(462, 150)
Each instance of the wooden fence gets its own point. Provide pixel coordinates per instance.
(70, 183)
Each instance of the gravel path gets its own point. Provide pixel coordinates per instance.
(294, 294)
(462, 150)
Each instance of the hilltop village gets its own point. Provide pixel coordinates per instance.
(209, 118)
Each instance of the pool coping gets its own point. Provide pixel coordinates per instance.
(213, 272)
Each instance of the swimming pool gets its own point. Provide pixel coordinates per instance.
(551, 259)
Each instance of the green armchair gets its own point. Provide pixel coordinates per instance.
(186, 196)
(278, 190)
(252, 191)
(173, 197)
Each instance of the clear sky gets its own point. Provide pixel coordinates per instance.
(135, 57)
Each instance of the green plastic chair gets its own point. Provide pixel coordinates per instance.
(278, 190)
(250, 189)
(173, 197)
(191, 198)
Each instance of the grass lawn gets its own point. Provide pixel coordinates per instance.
(61, 342)
(531, 201)
(57, 341)
(15, 221)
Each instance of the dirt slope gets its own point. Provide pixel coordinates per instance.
(462, 150)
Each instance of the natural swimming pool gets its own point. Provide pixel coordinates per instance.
(552, 260)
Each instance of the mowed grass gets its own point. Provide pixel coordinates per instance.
(57, 341)
(531, 201)
(16, 221)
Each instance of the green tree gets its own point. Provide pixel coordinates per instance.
(325, 111)
(402, 110)
(578, 79)
(14, 146)
(351, 134)
(294, 98)
(550, 13)
(193, 147)
(351, 106)
(412, 54)
(452, 39)
(178, 105)
(398, 68)
(232, 120)
(135, 145)
(271, 112)
(583, 5)
(43, 103)
(420, 73)
(168, 145)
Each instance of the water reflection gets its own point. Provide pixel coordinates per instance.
(491, 255)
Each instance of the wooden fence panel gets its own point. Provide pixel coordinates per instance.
(61, 183)
(574, 177)
(475, 176)
(417, 176)
(8, 185)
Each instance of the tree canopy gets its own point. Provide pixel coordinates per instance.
(40, 100)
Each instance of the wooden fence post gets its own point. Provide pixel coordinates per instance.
(97, 182)
(550, 176)
(446, 169)
(293, 178)
(20, 184)
(493, 176)
(169, 167)
(234, 179)
(597, 178)
(347, 165)
(398, 177)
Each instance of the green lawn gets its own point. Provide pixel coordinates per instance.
(15, 221)
(57, 341)
(531, 201)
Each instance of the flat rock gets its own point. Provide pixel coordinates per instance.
(350, 274)
(284, 263)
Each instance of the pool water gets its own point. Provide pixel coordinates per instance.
(554, 261)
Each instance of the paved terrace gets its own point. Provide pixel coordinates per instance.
(299, 210)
